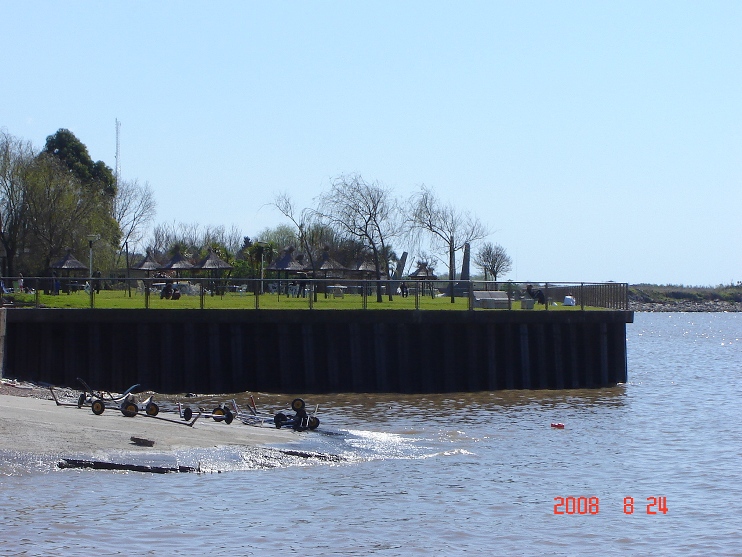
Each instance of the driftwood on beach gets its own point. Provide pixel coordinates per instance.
(101, 465)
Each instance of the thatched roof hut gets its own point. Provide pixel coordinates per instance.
(212, 262)
(287, 262)
(423, 272)
(329, 266)
(68, 263)
(68, 267)
(177, 262)
(149, 263)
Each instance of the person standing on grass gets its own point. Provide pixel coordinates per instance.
(537, 295)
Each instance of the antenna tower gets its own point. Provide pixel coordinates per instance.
(118, 152)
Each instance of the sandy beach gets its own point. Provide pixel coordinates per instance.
(34, 425)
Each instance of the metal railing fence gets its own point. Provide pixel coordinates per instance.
(304, 293)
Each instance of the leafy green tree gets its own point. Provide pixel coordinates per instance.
(59, 210)
(262, 253)
(281, 236)
(74, 154)
(243, 269)
(16, 155)
(63, 169)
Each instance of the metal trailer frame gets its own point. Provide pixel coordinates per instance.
(253, 418)
(301, 421)
(125, 403)
(220, 414)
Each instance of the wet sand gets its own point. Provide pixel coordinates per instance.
(36, 426)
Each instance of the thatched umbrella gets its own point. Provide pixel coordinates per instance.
(287, 263)
(214, 265)
(67, 265)
(423, 273)
(365, 269)
(148, 264)
(330, 267)
(177, 263)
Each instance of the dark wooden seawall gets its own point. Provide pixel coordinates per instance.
(212, 351)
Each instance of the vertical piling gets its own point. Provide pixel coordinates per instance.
(342, 351)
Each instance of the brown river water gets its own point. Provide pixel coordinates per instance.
(647, 468)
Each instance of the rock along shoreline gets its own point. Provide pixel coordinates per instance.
(708, 306)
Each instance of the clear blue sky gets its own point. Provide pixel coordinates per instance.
(598, 140)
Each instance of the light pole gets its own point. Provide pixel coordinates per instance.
(92, 238)
(262, 246)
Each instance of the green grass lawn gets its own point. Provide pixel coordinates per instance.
(120, 299)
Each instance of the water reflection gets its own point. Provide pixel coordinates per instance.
(396, 408)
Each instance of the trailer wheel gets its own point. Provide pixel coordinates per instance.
(218, 414)
(129, 409)
(297, 404)
(97, 406)
(187, 414)
(152, 409)
(313, 422)
(228, 416)
(279, 419)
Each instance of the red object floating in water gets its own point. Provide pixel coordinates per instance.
(558, 426)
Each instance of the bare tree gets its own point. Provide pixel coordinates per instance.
(233, 239)
(365, 212)
(219, 236)
(168, 235)
(189, 236)
(160, 239)
(493, 259)
(448, 227)
(194, 239)
(303, 223)
(134, 207)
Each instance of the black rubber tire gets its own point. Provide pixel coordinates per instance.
(187, 414)
(98, 407)
(228, 416)
(279, 419)
(218, 414)
(81, 400)
(297, 404)
(152, 409)
(313, 422)
(129, 409)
